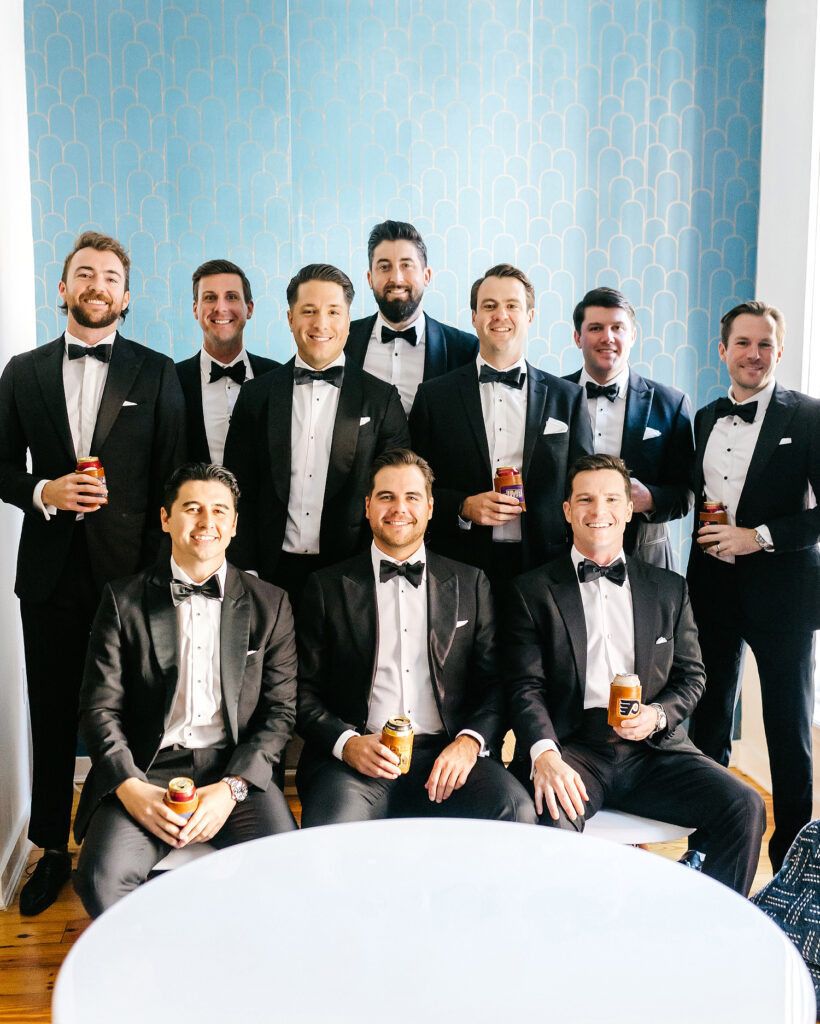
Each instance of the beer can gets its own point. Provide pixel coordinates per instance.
(181, 796)
(508, 480)
(91, 465)
(397, 735)
(624, 699)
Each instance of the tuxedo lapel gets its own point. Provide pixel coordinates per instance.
(772, 430)
(126, 360)
(645, 606)
(536, 406)
(704, 429)
(345, 431)
(566, 592)
(162, 627)
(442, 618)
(359, 590)
(638, 406)
(49, 370)
(435, 351)
(280, 414)
(234, 636)
(359, 339)
(190, 377)
(468, 389)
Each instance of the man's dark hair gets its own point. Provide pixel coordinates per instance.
(401, 457)
(102, 243)
(504, 270)
(395, 231)
(590, 463)
(755, 308)
(221, 267)
(320, 272)
(609, 298)
(205, 471)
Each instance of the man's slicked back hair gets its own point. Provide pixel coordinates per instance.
(211, 267)
(395, 231)
(592, 463)
(401, 457)
(504, 270)
(320, 272)
(205, 471)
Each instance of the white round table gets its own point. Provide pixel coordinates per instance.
(433, 921)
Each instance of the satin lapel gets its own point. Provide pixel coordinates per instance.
(638, 406)
(48, 366)
(567, 593)
(442, 618)
(435, 350)
(772, 430)
(471, 398)
(707, 422)
(345, 431)
(162, 626)
(126, 361)
(359, 589)
(645, 608)
(359, 340)
(280, 414)
(234, 636)
(536, 405)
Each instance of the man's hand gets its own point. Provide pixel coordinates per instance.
(728, 540)
(451, 768)
(642, 500)
(490, 508)
(369, 756)
(556, 782)
(74, 492)
(639, 727)
(144, 803)
(215, 804)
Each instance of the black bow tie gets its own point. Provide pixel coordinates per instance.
(101, 352)
(412, 572)
(513, 378)
(594, 390)
(615, 572)
(408, 334)
(237, 372)
(726, 407)
(333, 375)
(182, 591)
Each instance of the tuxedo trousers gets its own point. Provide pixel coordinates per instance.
(118, 854)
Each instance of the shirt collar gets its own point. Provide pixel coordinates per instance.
(339, 361)
(418, 322)
(622, 381)
(762, 398)
(377, 555)
(107, 340)
(205, 361)
(180, 574)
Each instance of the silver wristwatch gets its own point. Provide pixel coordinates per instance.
(761, 540)
(239, 788)
(661, 719)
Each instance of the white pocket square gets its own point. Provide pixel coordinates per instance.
(462, 622)
(128, 403)
(363, 420)
(251, 652)
(555, 426)
(661, 640)
(785, 440)
(650, 432)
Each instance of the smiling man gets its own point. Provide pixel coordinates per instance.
(302, 439)
(400, 631)
(400, 343)
(191, 672)
(89, 393)
(573, 625)
(223, 304)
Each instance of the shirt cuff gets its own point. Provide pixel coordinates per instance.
(47, 510)
(338, 746)
(482, 746)
(537, 749)
(766, 534)
(465, 524)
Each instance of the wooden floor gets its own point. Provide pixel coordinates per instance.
(33, 948)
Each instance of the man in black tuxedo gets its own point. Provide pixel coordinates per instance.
(648, 424)
(500, 411)
(401, 344)
(302, 439)
(191, 672)
(400, 631)
(90, 392)
(223, 304)
(573, 625)
(756, 580)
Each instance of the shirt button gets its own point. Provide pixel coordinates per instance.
(726, 478)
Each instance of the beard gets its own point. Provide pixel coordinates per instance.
(397, 311)
(103, 318)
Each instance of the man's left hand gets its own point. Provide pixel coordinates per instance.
(728, 540)
(451, 768)
(642, 500)
(215, 804)
(639, 727)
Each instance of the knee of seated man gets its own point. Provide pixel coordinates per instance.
(98, 886)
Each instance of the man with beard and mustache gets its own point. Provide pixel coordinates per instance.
(400, 344)
(89, 393)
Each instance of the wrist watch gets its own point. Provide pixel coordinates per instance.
(661, 726)
(761, 540)
(238, 787)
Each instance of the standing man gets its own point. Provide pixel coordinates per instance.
(756, 580)
(302, 439)
(223, 304)
(191, 672)
(401, 344)
(648, 424)
(90, 392)
(573, 625)
(500, 411)
(398, 630)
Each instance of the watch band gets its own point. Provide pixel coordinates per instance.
(761, 540)
(238, 787)
(662, 722)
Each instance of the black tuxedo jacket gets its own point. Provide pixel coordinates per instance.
(338, 643)
(445, 347)
(447, 428)
(132, 673)
(369, 420)
(545, 652)
(139, 437)
(663, 462)
(785, 462)
(190, 377)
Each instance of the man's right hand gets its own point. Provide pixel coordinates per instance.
(368, 755)
(144, 803)
(556, 782)
(490, 508)
(74, 492)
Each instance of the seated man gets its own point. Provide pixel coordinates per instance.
(398, 630)
(191, 671)
(573, 625)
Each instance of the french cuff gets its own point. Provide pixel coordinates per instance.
(47, 510)
(537, 749)
(464, 524)
(482, 746)
(338, 746)
(766, 534)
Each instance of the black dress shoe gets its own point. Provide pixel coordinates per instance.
(42, 889)
(693, 859)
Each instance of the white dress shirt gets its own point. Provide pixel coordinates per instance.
(397, 361)
(196, 718)
(610, 629)
(505, 418)
(218, 400)
(607, 418)
(311, 432)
